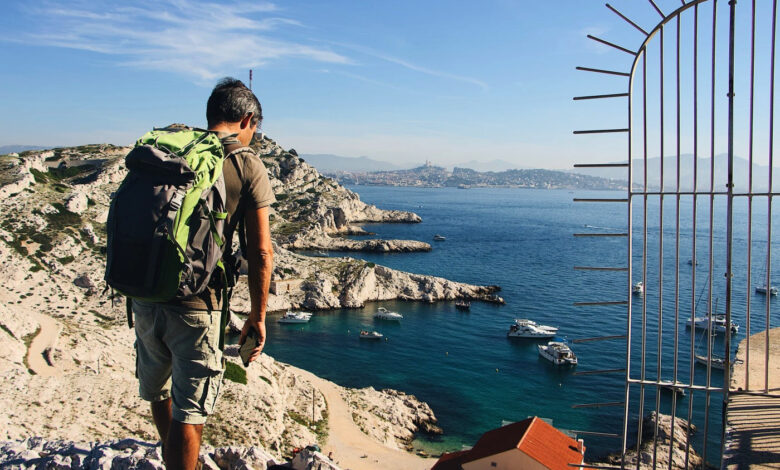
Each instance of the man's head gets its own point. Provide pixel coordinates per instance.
(232, 107)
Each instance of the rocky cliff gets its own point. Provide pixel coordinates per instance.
(36, 452)
(313, 212)
(669, 451)
(66, 353)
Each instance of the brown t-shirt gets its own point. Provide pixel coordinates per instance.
(247, 185)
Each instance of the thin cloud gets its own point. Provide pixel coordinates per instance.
(190, 37)
(435, 73)
(417, 68)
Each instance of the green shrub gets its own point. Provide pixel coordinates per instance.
(282, 197)
(39, 176)
(235, 373)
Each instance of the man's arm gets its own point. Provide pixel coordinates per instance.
(260, 256)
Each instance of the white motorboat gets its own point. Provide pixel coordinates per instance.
(295, 317)
(718, 322)
(385, 314)
(763, 290)
(638, 288)
(364, 334)
(439, 238)
(523, 328)
(558, 353)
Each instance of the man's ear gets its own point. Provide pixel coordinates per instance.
(246, 121)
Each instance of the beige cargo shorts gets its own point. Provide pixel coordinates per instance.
(178, 357)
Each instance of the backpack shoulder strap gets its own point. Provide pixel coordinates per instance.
(232, 149)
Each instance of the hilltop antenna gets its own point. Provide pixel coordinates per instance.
(250, 79)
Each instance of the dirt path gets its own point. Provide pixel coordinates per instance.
(351, 448)
(46, 338)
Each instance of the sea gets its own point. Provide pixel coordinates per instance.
(475, 378)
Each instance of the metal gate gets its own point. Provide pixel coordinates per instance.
(700, 90)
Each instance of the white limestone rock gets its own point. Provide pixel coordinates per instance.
(102, 217)
(319, 294)
(308, 459)
(77, 202)
(647, 449)
(49, 209)
(390, 416)
(89, 231)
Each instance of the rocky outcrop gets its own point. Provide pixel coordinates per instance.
(35, 453)
(647, 450)
(51, 263)
(317, 240)
(329, 283)
(17, 175)
(77, 202)
(401, 413)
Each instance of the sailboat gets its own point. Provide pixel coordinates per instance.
(717, 324)
(762, 289)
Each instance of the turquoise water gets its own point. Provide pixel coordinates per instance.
(463, 364)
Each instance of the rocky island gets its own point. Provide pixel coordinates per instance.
(66, 352)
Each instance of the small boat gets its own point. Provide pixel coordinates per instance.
(716, 361)
(558, 353)
(295, 317)
(321, 254)
(762, 290)
(439, 238)
(638, 288)
(365, 334)
(462, 305)
(523, 328)
(718, 322)
(385, 314)
(672, 390)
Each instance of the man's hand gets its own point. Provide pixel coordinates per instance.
(253, 322)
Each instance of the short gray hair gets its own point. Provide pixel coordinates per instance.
(230, 101)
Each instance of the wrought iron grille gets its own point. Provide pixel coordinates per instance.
(700, 90)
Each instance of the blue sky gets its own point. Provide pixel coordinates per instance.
(401, 81)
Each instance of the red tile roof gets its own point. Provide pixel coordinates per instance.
(451, 461)
(532, 436)
(547, 445)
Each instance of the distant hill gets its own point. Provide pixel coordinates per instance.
(741, 166)
(6, 149)
(327, 163)
(431, 176)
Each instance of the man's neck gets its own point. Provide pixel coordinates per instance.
(227, 127)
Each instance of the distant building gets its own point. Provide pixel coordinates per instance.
(531, 444)
(284, 286)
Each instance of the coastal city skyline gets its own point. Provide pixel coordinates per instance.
(402, 82)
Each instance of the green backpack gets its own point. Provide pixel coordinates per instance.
(166, 221)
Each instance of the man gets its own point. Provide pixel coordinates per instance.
(180, 364)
